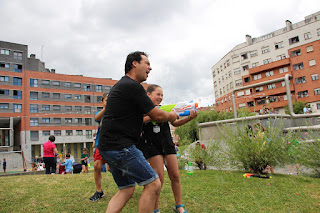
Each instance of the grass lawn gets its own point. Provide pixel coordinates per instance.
(205, 191)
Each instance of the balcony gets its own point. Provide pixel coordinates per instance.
(269, 66)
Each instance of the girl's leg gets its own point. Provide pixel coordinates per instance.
(87, 169)
(83, 168)
(156, 163)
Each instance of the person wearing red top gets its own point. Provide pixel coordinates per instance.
(49, 151)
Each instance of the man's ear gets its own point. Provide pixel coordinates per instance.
(134, 64)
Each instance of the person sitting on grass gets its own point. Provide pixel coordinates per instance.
(34, 166)
(68, 164)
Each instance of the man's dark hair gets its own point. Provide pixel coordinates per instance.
(68, 155)
(134, 56)
(52, 138)
(152, 88)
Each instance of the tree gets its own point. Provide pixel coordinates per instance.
(297, 107)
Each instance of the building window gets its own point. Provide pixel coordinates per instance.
(17, 68)
(99, 99)
(254, 53)
(273, 99)
(259, 89)
(45, 82)
(57, 132)
(295, 53)
(265, 50)
(77, 97)
(68, 120)
(303, 94)
(45, 120)
(283, 69)
(256, 77)
(267, 61)
(238, 83)
(45, 133)
(283, 83)
(244, 56)
(77, 85)
(294, 40)
(56, 95)
(56, 83)
(78, 120)
(68, 108)
(34, 122)
(67, 84)
(87, 87)
(271, 86)
(17, 55)
(282, 56)
(69, 132)
(309, 49)
(56, 120)
(250, 104)
(88, 121)
(245, 68)
(4, 92)
(247, 79)
(88, 133)
(17, 94)
(79, 132)
(87, 99)
(312, 62)
(67, 96)
(261, 101)
(33, 82)
(17, 108)
(269, 73)
(242, 105)
(314, 77)
(318, 105)
(5, 52)
(298, 66)
(318, 32)
(98, 88)
(255, 64)
(87, 109)
(278, 45)
(239, 94)
(107, 89)
(78, 108)
(4, 65)
(45, 107)
(317, 91)
(4, 106)
(56, 107)
(4, 78)
(307, 36)
(45, 95)
(34, 135)
(237, 72)
(301, 80)
(34, 108)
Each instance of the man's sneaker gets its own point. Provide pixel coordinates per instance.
(97, 196)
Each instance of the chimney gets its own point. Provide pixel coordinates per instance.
(288, 25)
(53, 70)
(248, 40)
(33, 56)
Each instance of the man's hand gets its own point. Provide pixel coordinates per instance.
(173, 116)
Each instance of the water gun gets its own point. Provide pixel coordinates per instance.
(250, 175)
(181, 108)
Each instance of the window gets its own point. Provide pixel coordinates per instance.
(256, 77)
(271, 86)
(107, 88)
(244, 56)
(17, 55)
(87, 99)
(236, 72)
(242, 105)
(309, 49)
(312, 62)
(239, 94)
(34, 122)
(259, 89)
(261, 101)
(298, 66)
(301, 80)
(314, 77)
(4, 78)
(34, 108)
(4, 92)
(294, 40)
(99, 99)
(56, 120)
(68, 108)
(247, 79)
(79, 132)
(56, 83)
(17, 108)
(4, 65)
(265, 50)
(303, 94)
(88, 133)
(45, 133)
(282, 56)
(88, 121)
(45, 120)
(278, 45)
(34, 135)
(45, 107)
(33, 95)
(17, 68)
(267, 61)
(56, 107)
(98, 88)
(5, 52)
(56, 95)
(17, 94)
(270, 35)
(245, 68)
(238, 82)
(78, 108)
(255, 64)
(68, 120)
(250, 104)
(86, 87)
(283, 83)
(33, 82)
(67, 96)
(318, 105)
(57, 132)
(77, 97)
(69, 132)
(4, 106)
(45, 82)
(295, 53)
(317, 91)
(77, 85)
(318, 32)
(269, 73)
(273, 99)
(78, 120)
(87, 109)
(254, 53)
(307, 36)
(67, 84)
(45, 95)
(284, 69)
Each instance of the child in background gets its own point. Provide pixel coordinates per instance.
(68, 164)
(84, 160)
(34, 166)
(4, 166)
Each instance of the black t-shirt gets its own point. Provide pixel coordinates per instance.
(122, 123)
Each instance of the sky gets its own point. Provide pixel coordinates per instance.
(184, 38)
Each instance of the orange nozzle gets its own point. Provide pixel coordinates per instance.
(196, 105)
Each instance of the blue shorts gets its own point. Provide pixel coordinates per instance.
(68, 170)
(128, 167)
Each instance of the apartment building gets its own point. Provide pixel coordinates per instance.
(36, 102)
(294, 50)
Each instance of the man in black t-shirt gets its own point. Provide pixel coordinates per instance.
(120, 131)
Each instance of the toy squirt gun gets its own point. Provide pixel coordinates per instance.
(181, 108)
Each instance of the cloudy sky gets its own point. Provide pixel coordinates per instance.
(184, 38)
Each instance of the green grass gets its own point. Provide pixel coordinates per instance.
(205, 191)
